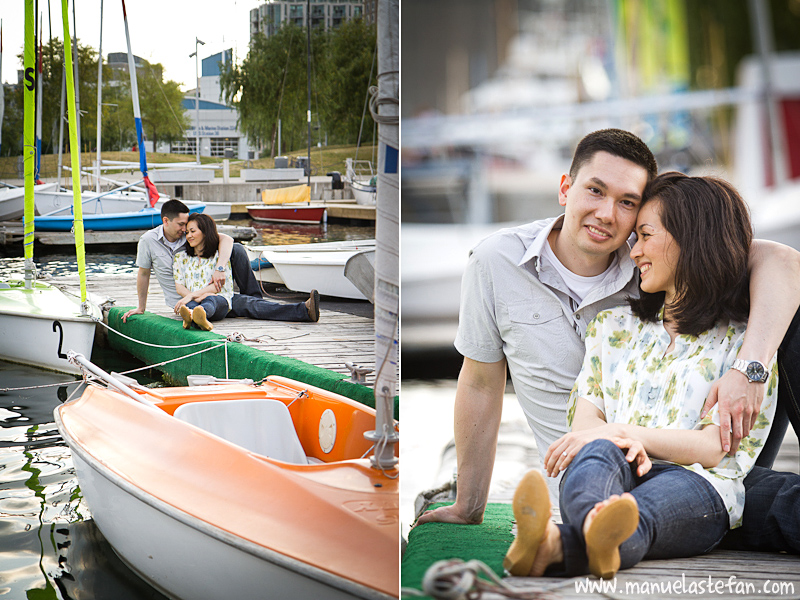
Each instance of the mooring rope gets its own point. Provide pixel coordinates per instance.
(127, 337)
(35, 387)
(455, 579)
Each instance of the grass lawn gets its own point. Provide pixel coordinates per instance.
(323, 160)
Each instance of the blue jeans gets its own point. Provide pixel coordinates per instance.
(216, 307)
(258, 308)
(771, 514)
(680, 513)
(249, 301)
(243, 272)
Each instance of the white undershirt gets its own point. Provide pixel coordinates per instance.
(578, 285)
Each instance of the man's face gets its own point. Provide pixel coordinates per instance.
(601, 204)
(175, 228)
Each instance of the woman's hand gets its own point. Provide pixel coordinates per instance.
(183, 301)
(563, 450)
(636, 452)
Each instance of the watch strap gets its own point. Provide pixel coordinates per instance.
(744, 366)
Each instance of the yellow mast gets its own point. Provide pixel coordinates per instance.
(74, 150)
(29, 152)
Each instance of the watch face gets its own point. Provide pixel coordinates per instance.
(756, 371)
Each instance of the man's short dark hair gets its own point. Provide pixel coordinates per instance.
(172, 208)
(616, 142)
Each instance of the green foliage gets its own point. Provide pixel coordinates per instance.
(271, 84)
(163, 117)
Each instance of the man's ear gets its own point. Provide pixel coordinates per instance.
(566, 183)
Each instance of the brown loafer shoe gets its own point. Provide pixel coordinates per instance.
(186, 314)
(200, 318)
(312, 305)
(614, 524)
(531, 506)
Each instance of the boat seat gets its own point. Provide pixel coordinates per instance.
(259, 425)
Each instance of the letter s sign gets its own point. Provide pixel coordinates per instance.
(30, 78)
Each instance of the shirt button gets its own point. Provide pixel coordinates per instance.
(578, 317)
(535, 315)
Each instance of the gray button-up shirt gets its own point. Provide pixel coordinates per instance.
(514, 307)
(156, 253)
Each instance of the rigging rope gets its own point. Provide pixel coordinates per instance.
(455, 579)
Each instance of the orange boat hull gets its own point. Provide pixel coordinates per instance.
(334, 523)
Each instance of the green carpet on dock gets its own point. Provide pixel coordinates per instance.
(432, 542)
(242, 360)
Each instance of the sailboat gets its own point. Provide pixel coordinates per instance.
(275, 490)
(114, 210)
(39, 322)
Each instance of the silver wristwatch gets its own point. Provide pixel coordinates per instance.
(220, 269)
(754, 370)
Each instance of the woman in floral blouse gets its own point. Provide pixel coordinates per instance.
(193, 269)
(646, 474)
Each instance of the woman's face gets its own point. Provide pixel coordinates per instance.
(194, 236)
(655, 253)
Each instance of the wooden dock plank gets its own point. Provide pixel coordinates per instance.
(338, 337)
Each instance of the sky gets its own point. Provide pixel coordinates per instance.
(162, 31)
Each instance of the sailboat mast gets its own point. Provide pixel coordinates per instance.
(2, 87)
(29, 152)
(61, 122)
(387, 234)
(75, 153)
(99, 98)
(75, 75)
(137, 115)
(39, 78)
(308, 85)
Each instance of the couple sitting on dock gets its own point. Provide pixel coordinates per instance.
(670, 344)
(195, 272)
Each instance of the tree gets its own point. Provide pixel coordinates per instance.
(348, 66)
(271, 84)
(163, 115)
(52, 68)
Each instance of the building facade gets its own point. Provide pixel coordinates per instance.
(328, 14)
(217, 126)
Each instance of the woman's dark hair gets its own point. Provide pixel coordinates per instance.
(208, 228)
(711, 224)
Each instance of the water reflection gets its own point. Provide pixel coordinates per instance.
(66, 264)
(49, 547)
(279, 234)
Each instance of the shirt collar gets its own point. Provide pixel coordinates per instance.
(534, 251)
(160, 235)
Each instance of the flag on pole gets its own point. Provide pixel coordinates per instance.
(152, 192)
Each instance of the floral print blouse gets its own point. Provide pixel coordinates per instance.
(628, 374)
(194, 273)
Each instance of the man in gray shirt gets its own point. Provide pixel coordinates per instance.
(528, 293)
(156, 251)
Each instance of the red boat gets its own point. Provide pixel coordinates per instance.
(286, 213)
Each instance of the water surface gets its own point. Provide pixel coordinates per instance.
(49, 546)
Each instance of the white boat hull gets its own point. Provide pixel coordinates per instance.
(321, 271)
(12, 201)
(42, 336)
(189, 559)
(364, 193)
(121, 202)
(271, 275)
